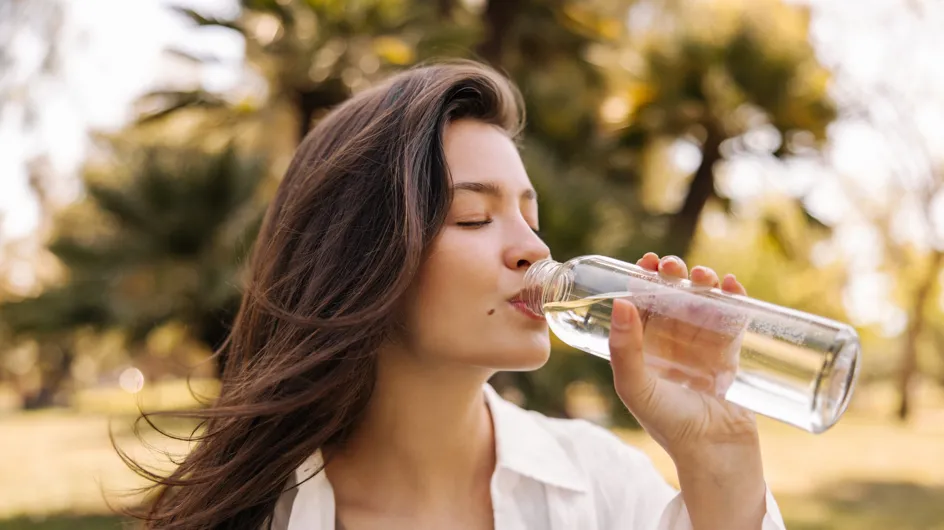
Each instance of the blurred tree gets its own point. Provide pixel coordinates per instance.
(603, 97)
(163, 244)
(917, 327)
(23, 87)
(707, 87)
(731, 78)
(916, 259)
(24, 83)
(892, 107)
(314, 53)
(921, 177)
(609, 98)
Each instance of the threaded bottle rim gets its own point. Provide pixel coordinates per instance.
(536, 281)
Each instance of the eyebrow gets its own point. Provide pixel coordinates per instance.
(490, 188)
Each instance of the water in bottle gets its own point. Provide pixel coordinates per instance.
(789, 365)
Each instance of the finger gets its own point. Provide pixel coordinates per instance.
(630, 377)
(673, 267)
(649, 261)
(704, 276)
(731, 285)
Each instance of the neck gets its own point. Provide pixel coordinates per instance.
(426, 436)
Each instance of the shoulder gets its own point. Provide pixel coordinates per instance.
(623, 483)
(592, 452)
(598, 450)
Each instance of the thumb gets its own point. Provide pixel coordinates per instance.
(634, 384)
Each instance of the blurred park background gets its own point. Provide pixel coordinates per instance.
(798, 144)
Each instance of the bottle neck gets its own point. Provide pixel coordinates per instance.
(537, 284)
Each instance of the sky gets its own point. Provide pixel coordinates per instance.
(874, 46)
(118, 40)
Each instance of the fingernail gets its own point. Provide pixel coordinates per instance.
(670, 259)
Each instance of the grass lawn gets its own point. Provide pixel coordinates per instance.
(90, 522)
(864, 474)
(866, 506)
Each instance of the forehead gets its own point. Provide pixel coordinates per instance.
(477, 151)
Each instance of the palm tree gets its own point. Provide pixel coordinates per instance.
(313, 53)
(170, 247)
(712, 89)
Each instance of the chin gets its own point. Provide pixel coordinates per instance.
(525, 357)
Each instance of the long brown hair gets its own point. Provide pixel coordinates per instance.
(365, 195)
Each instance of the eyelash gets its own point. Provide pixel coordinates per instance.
(480, 224)
(475, 224)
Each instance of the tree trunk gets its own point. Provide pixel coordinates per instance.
(498, 17)
(683, 225)
(308, 103)
(53, 377)
(444, 8)
(909, 354)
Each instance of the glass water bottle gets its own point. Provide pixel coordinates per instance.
(791, 366)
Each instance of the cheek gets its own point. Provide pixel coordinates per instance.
(458, 309)
(459, 276)
(455, 291)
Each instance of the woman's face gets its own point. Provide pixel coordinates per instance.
(462, 308)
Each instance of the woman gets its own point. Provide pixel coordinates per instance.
(384, 293)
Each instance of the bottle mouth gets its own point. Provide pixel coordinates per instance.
(535, 284)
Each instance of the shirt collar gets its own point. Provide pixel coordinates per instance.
(526, 447)
(522, 445)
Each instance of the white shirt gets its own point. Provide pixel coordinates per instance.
(550, 474)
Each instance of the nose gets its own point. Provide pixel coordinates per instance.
(525, 248)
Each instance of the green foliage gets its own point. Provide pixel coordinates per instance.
(175, 232)
(167, 249)
(703, 87)
(716, 88)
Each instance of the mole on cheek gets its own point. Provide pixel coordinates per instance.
(491, 311)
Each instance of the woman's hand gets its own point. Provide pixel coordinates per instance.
(714, 443)
(677, 398)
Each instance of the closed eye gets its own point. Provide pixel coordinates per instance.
(475, 224)
(479, 224)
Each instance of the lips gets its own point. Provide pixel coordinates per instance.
(520, 305)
